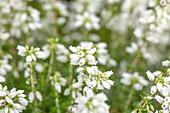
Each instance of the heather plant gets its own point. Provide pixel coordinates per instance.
(84, 56)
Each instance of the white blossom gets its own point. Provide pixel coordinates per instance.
(12, 100)
(97, 103)
(31, 54)
(82, 54)
(134, 79)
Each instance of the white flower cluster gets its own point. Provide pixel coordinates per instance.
(57, 81)
(12, 101)
(87, 20)
(31, 54)
(160, 91)
(151, 26)
(29, 19)
(51, 8)
(135, 80)
(84, 14)
(83, 54)
(90, 79)
(94, 78)
(4, 69)
(23, 17)
(92, 6)
(91, 103)
(56, 6)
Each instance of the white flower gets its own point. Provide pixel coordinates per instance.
(21, 50)
(138, 86)
(2, 102)
(57, 87)
(132, 49)
(158, 98)
(165, 105)
(159, 87)
(153, 90)
(157, 73)
(89, 21)
(31, 97)
(82, 61)
(57, 81)
(166, 63)
(4, 68)
(98, 79)
(82, 54)
(96, 103)
(40, 55)
(150, 75)
(31, 54)
(135, 79)
(28, 59)
(12, 100)
(163, 2)
(39, 68)
(4, 36)
(38, 95)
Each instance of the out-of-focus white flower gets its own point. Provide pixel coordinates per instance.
(132, 49)
(60, 50)
(163, 2)
(87, 20)
(94, 37)
(134, 79)
(57, 81)
(24, 20)
(92, 6)
(39, 68)
(103, 56)
(5, 67)
(38, 95)
(157, 73)
(31, 97)
(166, 63)
(4, 36)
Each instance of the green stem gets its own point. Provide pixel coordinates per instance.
(27, 29)
(57, 102)
(33, 87)
(50, 66)
(129, 100)
(70, 74)
(140, 110)
(85, 32)
(1, 51)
